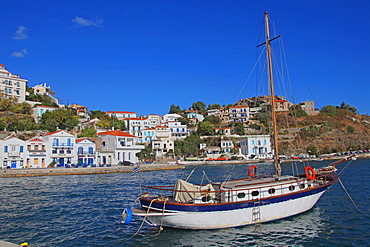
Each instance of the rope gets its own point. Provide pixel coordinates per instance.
(142, 223)
(160, 227)
(349, 196)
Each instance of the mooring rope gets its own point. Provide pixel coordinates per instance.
(142, 223)
(164, 207)
(349, 195)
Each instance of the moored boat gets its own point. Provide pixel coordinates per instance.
(232, 203)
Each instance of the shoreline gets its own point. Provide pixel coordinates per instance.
(61, 171)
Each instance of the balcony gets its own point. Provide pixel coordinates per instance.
(63, 145)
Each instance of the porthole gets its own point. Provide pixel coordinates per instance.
(241, 195)
(302, 186)
(255, 193)
(292, 187)
(271, 191)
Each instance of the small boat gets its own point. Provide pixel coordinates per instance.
(233, 203)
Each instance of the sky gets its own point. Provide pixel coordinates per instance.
(144, 55)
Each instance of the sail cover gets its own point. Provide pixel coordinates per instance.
(186, 192)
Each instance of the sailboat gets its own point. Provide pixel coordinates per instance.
(234, 203)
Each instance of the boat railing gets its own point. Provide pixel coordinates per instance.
(250, 191)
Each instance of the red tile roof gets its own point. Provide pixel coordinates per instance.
(245, 106)
(120, 112)
(116, 133)
(35, 139)
(51, 133)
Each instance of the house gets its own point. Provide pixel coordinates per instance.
(309, 107)
(13, 153)
(122, 114)
(147, 135)
(256, 146)
(80, 110)
(117, 146)
(61, 147)
(224, 115)
(45, 90)
(192, 114)
(12, 85)
(239, 113)
(170, 117)
(227, 146)
(136, 125)
(38, 110)
(86, 151)
(281, 105)
(223, 131)
(178, 130)
(162, 146)
(36, 153)
(154, 120)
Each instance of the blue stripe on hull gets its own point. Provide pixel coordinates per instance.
(228, 206)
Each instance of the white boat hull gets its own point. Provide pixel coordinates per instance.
(233, 218)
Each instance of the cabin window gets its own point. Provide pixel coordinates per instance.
(302, 186)
(255, 193)
(292, 187)
(206, 198)
(241, 195)
(271, 191)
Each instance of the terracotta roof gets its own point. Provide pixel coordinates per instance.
(35, 139)
(84, 138)
(116, 133)
(51, 133)
(46, 106)
(244, 106)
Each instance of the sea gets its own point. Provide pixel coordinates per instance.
(85, 210)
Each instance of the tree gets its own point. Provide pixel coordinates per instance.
(348, 107)
(199, 106)
(214, 106)
(89, 132)
(175, 109)
(146, 154)
(313, 150)
(22, 108)
(189, 146)
(206, 128)
(350, 129)
(239, 128)
(96, 114)
(329, 110)
(60, 118)
(297, 111)
(212, 119)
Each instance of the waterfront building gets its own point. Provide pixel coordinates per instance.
(12, 85)
(86, 151)
(117, 146)
(162, 146)
(147, 135)
(178, 130)
(256, 146)
(13, 153)
(61, 147)
(122, 114)
(36, 153)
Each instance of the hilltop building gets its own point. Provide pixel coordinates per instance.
(12, 85)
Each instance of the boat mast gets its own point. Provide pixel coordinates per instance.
(272, 92)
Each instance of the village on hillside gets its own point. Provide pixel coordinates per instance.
(97, 138)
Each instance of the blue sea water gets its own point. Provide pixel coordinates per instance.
(85, 210)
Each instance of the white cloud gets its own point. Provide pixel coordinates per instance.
(21, 33)
(82, 22)
(21, 53)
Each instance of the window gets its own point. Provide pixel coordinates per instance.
(5, 149)
(264, 142)
(35, 161)
(103, 144)
(291, 188)
(21, 149)
(255, 193)
(80, 150)
(271, 191)
(241, 195)
(91, 150)
(252, 142)
(69, 142)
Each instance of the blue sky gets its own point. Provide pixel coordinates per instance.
(143, 56)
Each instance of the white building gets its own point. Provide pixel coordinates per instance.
(61, 147)
(36, 153)
(86, 151)
(45, 90)
(239, 113)
(178, 130)
(154, 120)
(258, 146)
(12, 85)
(136, 125)
(41, 109)
(227, 146)
(122, 114)
(118, 146)
(170, 117)
(13, 153)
